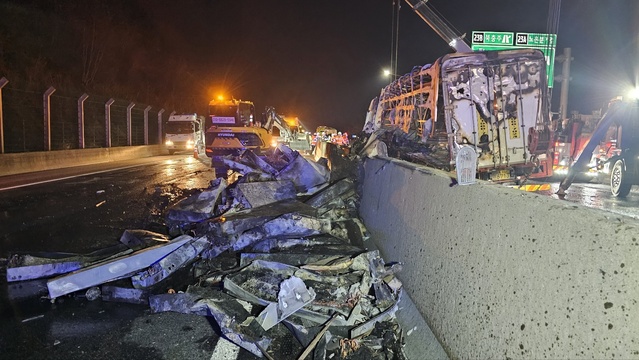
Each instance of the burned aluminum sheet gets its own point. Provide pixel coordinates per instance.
(287, 225)
(259, 283)
(304, 173)
(236, 323)
(22, 267)
(170, 263)
(256, 194)
(330, 193)
(351, 229)
(233, 223)
(241, 168)
(295, 259)
(369, 325)
(249, 158)
(318, 244)
(197, 207)
(113, 269)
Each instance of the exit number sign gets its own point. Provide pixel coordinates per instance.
(493, 38)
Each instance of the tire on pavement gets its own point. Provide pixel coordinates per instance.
(619, 180)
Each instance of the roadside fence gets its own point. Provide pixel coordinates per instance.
(57, 120)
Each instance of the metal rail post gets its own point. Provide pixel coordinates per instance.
(146, 125)
(160, 126)
(3, 82)
(107, 122)
(46, 99)
(565, 82)
(81, 142)
(129, 127)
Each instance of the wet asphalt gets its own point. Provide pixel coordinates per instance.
(82, 214)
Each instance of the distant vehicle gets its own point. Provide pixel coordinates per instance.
(297, 128)
(184, 133)
(287, 131)
(231, 127)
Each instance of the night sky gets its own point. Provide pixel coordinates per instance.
(322, 60)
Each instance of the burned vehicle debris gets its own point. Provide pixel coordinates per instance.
(276, 256)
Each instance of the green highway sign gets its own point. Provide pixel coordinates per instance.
(491, 40)
(535, 40)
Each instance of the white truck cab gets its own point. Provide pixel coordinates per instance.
(184, 133)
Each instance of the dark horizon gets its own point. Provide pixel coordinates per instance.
(323, 61)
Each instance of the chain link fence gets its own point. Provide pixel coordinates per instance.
(23, 118)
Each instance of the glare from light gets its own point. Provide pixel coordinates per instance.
(633, 94)
(220, 97)
(387, 72)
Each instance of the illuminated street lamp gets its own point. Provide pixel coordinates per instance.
(387, 73)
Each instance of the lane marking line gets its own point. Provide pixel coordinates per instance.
(68, 177)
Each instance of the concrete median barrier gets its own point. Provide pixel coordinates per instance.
(19, 163)
(501, 273)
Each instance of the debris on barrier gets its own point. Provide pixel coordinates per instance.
(278, 252)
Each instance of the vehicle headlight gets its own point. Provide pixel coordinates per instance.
(190, 142)
(169, 143)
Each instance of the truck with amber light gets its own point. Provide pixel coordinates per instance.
(184, 133)
(231, 127)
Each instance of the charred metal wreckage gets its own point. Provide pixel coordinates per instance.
(494, 103)
(279, 251)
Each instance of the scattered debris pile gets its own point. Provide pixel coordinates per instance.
(394, 142)
(279, 251)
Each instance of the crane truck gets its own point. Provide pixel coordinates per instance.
(618, 132)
